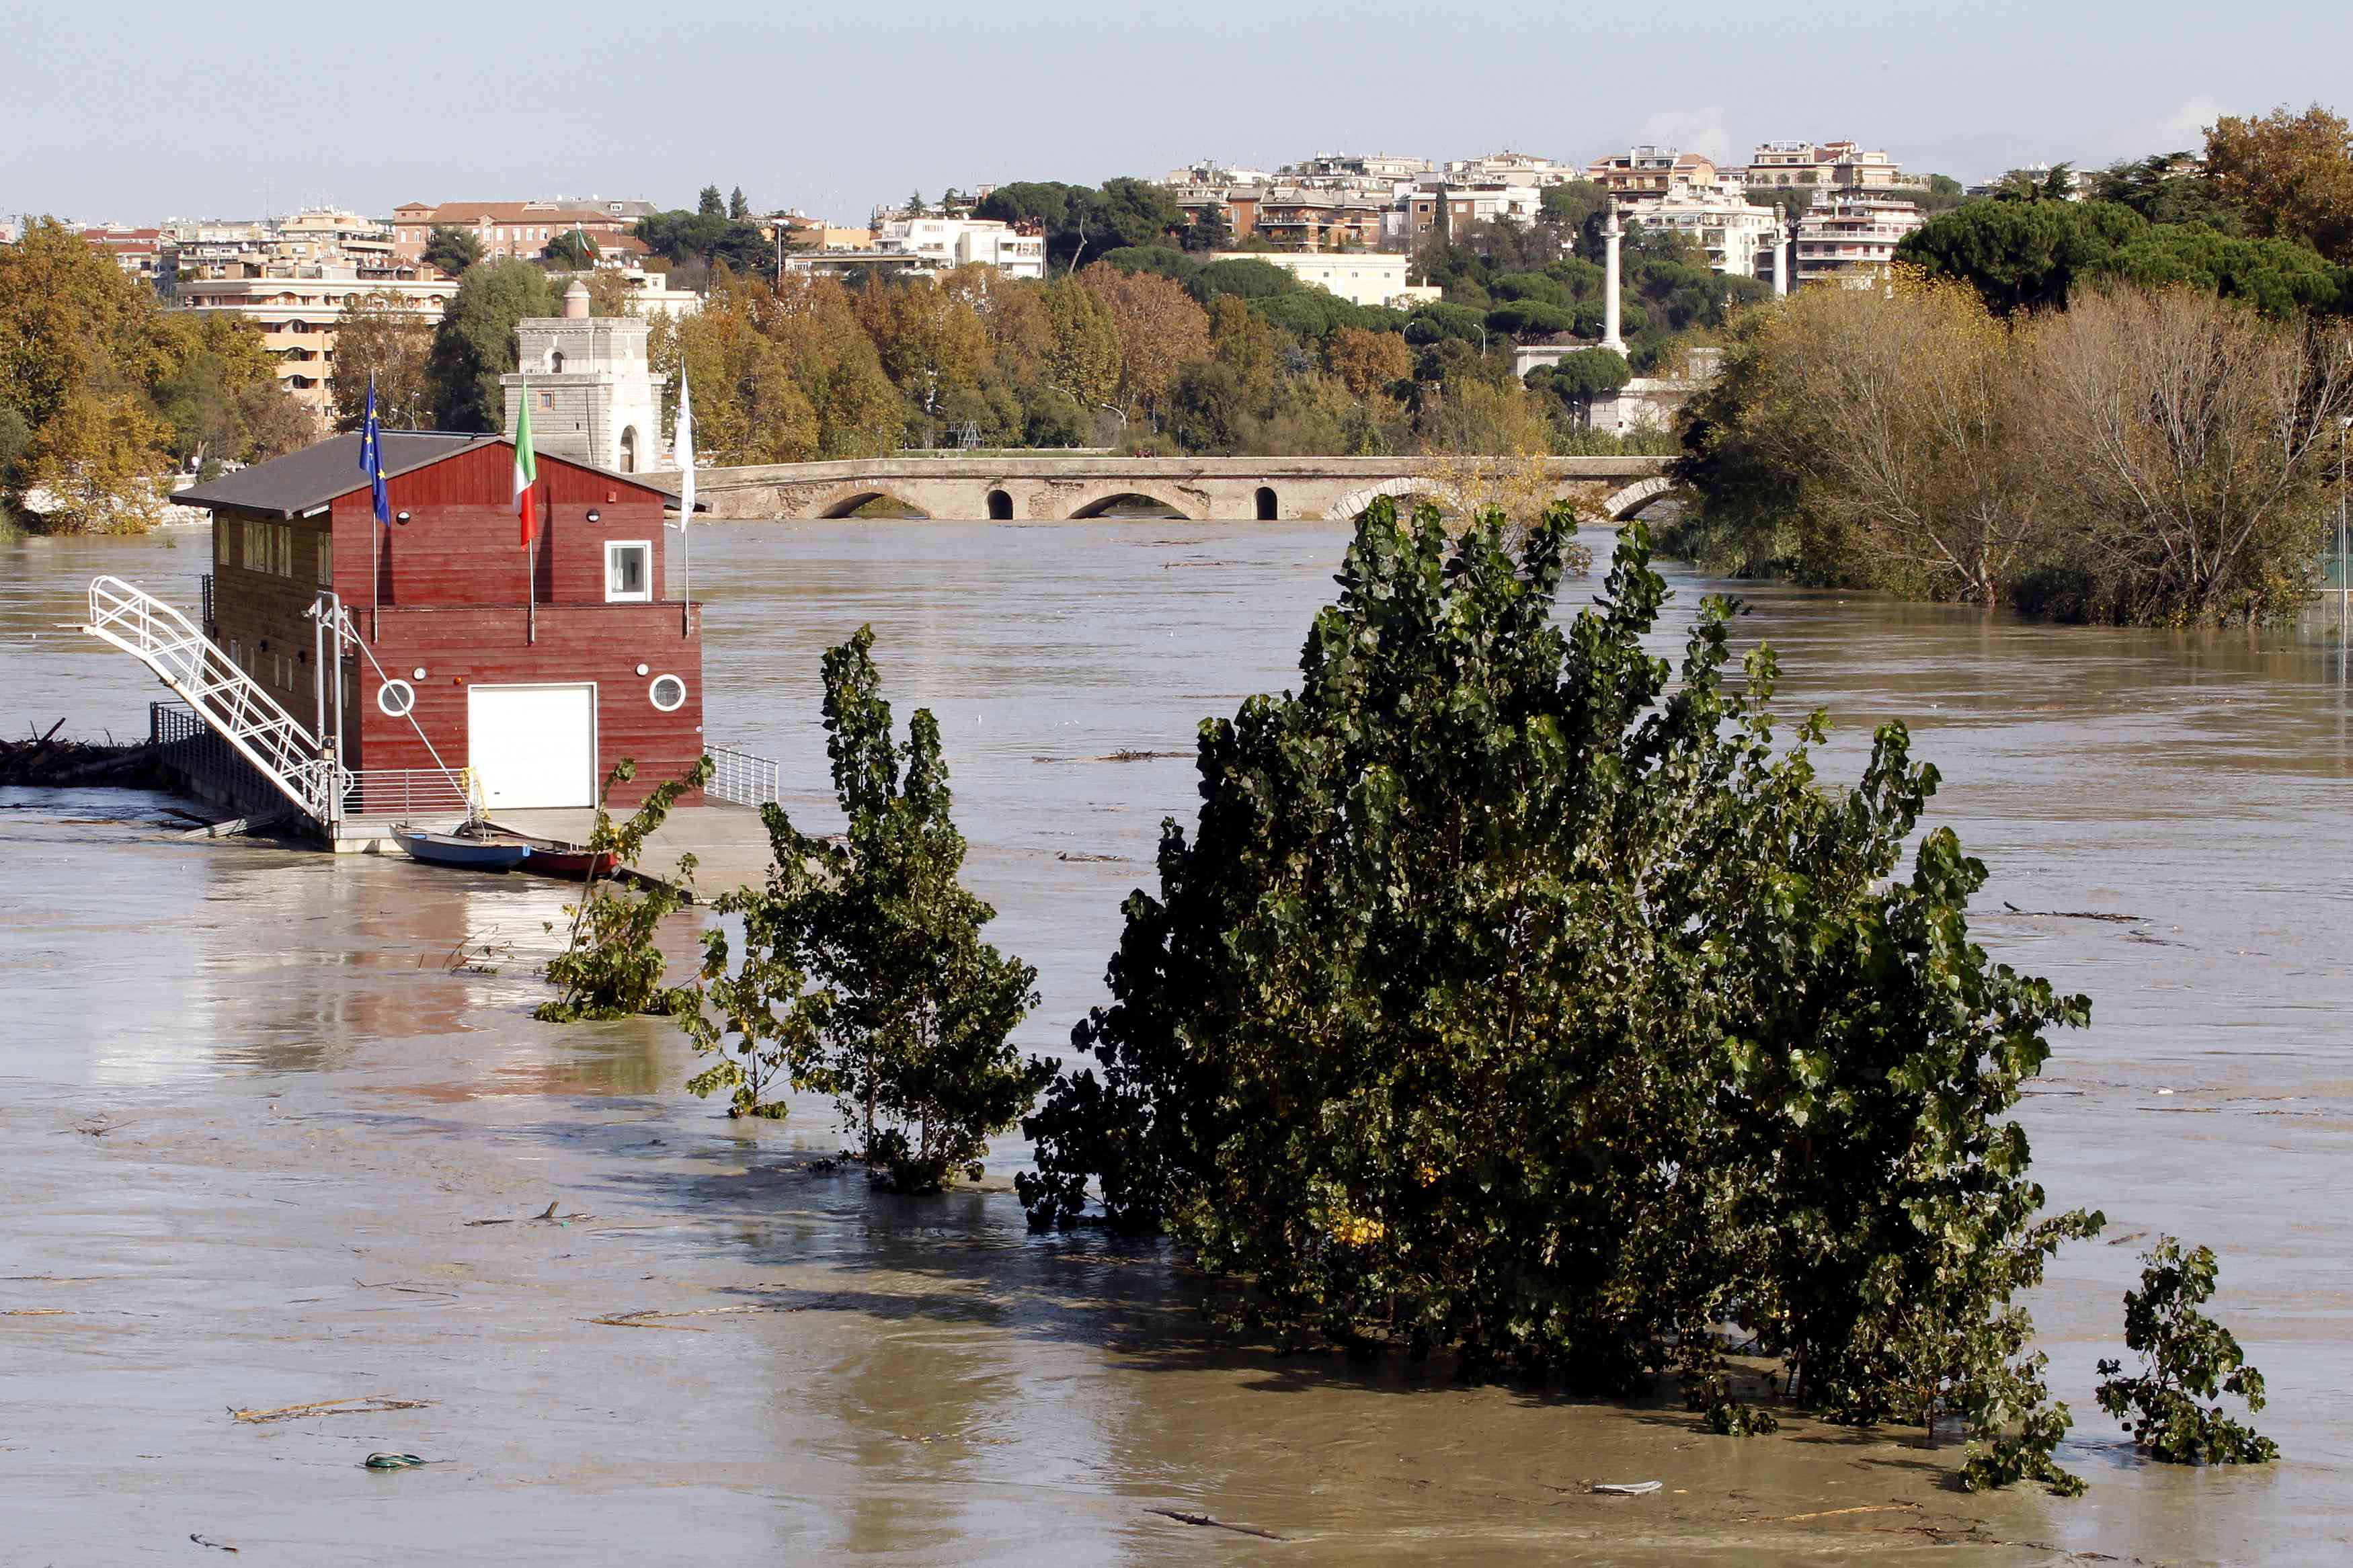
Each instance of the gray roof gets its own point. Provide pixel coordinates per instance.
(303, 481)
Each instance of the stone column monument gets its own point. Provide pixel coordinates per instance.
(1611, 234)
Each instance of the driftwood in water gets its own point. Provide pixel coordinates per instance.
(45, 760)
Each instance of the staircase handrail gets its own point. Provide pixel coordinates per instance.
(235, 705)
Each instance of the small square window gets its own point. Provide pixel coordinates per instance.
(629, 570)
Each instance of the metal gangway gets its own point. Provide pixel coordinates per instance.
(228, 700)
(285, 752)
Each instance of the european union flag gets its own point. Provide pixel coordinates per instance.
(372, 460)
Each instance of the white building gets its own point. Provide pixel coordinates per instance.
(1511, 168)
(1359, 277)
(592, 395)
(1852, 239)
(937, 244)
(1736, 234)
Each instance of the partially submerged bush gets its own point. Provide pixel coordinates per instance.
(610, 966)
(1514, 995)
(2185, 1356)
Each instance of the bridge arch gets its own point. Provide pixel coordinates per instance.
(1001, 505)
(843, 503)
(1410, 486)
(1096, 505)
(1628, 503)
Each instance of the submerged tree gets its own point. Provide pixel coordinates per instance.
(910, 1032)
(611, 966)
(1515, 995)
(2185, 1356)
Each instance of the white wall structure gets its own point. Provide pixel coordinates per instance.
(1359, 277)
(939, 243)
(1852, 240)
(593, 397)
(1736, 234)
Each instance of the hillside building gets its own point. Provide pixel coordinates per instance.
(593, 398)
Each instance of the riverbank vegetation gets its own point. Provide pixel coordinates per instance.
(2128, 409)
(2185, 1356)
(104, 393)
(1519, 996)
(611, 965)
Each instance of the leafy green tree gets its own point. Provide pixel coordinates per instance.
(571, 251)
(2169, 188)
(475, 342)
(451, 248)
(1578, 378)
(2022, 255)
(2185, 1356)
(611, 966)
(710, 204)
(1210, 229)
(2289, 176)
(738, 208)
(1568, 204)
(2278, 277)
(912, 1036)
(382, 342)
(1515, 995)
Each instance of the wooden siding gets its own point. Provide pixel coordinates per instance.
(458, 647)
(260, 615)
(462, 545)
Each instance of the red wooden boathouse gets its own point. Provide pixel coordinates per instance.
(537, 670)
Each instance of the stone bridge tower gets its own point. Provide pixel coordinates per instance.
(593, 398)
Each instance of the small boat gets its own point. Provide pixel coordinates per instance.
(576, 861)
(456, 849)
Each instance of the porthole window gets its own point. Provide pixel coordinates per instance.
(667, 692)
(395, 698)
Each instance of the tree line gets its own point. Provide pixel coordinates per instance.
(2129, 409)
(104, 393)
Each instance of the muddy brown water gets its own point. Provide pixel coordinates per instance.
(250, 1112)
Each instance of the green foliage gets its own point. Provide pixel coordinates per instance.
(2023, 255)
(1576, 378)
(2169, 188)
(1241, 276)
(1746, 517)
(1082, 223)
(451, 248)
(910, 1033)
(475, 343)
(2185, 1356)
(610, 966)
(1516, 995)
(2277, 277)
(570, 251)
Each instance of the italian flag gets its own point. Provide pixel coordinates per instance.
(526, 472)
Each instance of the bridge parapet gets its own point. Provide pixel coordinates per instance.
(1052, 487)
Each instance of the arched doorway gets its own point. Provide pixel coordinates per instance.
(1000, 506)
(1266, 507)
(630, 450)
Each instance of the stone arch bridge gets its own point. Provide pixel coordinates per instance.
(1052, 487)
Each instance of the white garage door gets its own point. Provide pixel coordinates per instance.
(532, 745)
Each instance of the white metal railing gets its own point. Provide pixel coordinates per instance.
(413, 792)
(741, 778)
(225, 696)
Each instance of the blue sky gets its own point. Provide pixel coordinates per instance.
(136, 111)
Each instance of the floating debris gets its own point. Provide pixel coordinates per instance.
(1204, 1521)
(1627, 1489)
(351, 1404)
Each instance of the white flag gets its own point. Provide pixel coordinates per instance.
(685, 443)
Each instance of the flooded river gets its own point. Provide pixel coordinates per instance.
(252, 1115)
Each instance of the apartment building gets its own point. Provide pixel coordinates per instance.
(936, 244)
(505, 229)
(1461, 205)
(1736, 234)
(1646, 174)
(1839, 168)
(297, 318)
(1300, 218)
(1851, 240)
(138, 251)
(1510, 168)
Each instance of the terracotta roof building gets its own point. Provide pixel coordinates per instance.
(505, 229)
